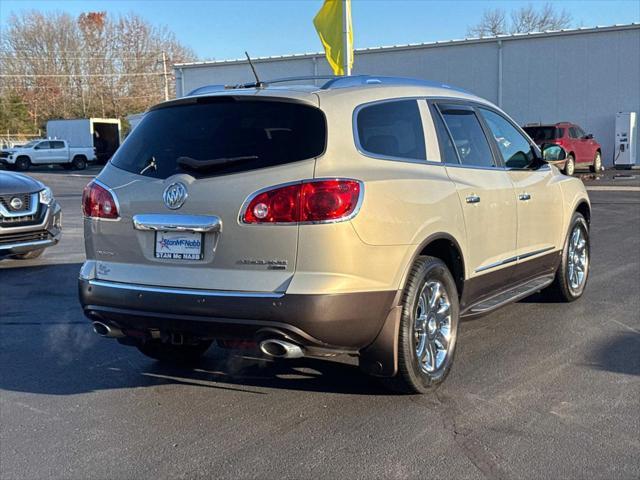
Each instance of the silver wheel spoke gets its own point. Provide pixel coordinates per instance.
(436, 293)
(442, 340)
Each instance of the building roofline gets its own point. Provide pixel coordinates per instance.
(415, 46)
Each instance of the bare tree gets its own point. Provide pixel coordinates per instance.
(523, 20)
(528, 19)
(493, 23)
(95, 65)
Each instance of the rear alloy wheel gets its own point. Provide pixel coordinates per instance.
(23, 164)
(597, 163)
(79, 162)
(570, 165)
(176, 354)
(573, 272)
(428, 327)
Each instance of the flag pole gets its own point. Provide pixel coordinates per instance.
(345, 38)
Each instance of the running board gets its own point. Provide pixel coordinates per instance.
(510, 296)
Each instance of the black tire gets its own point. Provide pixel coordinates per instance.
(561, 289)
(79, 162)
(23, 164)
(596, 166)
(175, 354)
(29, 255)
(570, 165)
(412, 376)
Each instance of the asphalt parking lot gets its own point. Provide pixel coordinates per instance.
(539, 390)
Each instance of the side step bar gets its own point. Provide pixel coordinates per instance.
(512, 295)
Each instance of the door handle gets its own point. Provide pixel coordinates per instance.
(473, 199)
(524, 197)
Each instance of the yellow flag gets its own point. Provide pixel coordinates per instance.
(329, 24)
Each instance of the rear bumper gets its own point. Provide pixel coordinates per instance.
(346, 321)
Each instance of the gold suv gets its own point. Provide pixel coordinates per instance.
(366, 216)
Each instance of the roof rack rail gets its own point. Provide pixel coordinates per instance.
(359, 80)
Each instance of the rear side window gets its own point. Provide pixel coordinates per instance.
(222, 135)
(447, 150)
(392, 129)
(468, 136)
(57, 144)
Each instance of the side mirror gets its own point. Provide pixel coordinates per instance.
(588, 136)
(553, 153)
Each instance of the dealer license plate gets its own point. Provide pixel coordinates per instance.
(179, 245)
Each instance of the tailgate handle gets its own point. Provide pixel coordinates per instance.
(177, 223)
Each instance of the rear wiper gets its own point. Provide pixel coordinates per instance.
(214, 162)
(152, 164)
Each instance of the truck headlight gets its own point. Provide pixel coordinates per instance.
(46, 196)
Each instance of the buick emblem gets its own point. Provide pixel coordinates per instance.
(16, 203)
(175, 195)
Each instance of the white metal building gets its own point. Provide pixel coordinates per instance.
(584, 76)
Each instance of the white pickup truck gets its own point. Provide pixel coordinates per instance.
(45, 152)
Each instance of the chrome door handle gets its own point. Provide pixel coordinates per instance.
(473, 199)
(524, 197)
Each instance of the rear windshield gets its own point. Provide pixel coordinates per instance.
(543, 133)
(222, 135)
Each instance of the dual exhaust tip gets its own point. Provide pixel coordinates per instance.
(277, 348)
(105, 330)
(273, 347)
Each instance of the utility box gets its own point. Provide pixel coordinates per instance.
(625, 154)
(103, 134)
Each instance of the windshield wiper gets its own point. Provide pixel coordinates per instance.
(214, 162)
(152, 164)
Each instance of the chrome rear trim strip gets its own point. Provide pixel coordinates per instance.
(184, 291)
(177, 223)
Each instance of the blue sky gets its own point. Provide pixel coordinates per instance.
(223, 29)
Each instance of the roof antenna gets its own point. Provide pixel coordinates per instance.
(259, 84)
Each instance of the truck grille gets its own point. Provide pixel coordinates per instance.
(4, 154)
(26, 202)
(24, 237)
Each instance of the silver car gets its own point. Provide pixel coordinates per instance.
(30, 217)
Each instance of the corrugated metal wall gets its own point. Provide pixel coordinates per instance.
(584, 76)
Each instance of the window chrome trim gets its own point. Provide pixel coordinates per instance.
(517, 258)
(246, 203)
(366, 153)
(184, 291)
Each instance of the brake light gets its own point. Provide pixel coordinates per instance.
(309, 201)
(98, 202)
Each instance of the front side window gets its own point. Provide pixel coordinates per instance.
(42, 146)
(515, 149)
(468, 136)
(392, 129)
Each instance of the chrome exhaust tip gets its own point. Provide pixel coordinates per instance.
(108, 331)
(276, 348)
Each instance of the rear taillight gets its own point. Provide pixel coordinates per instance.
(98, 202)
(314, 201)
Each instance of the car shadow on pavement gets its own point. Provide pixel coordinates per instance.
(620, 354)
(47, 346)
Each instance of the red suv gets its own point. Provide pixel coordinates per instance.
(581, 148)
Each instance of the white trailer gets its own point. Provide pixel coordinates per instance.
(103, 134)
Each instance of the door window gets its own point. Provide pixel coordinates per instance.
(515, 149)
(42, 146)
(468, 137)
(57, 144)
(573, 132)
(392, 129)
(447, 150)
